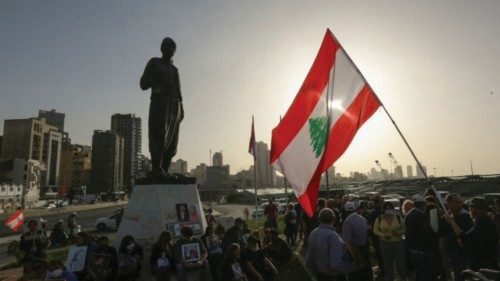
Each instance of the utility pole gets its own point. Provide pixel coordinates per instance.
(471, 169)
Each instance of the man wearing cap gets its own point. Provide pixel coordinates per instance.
(419, 240)
(481, 241)
(233, 235)
(462, 218)
(355, 235)
(326, 253)
(33, 242)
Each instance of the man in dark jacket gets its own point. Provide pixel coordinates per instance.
(233, 235)
(481, 241)
(33, 242)
(419, 240)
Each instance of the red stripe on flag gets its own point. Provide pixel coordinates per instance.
(341, 135)
(306, 99)
(16, 216)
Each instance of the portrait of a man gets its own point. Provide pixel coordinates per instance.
(182, 212)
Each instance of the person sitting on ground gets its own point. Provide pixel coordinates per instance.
(255, 263)
(130, 259)
(183, 265)
(481, 241)
(58, 237)
(105, 249)
(214, 249)
(256, 234)
(291, 225)
(33, 242)
(390, 228)
(278, 250)
(233, 235)
(33, 268)
(57, 270)
(231, 269)
(162, 257)
(326, 255)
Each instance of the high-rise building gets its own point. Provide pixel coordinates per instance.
(53, 118)
(107, 162)
(409, 171)
(217, 159)
(179, 166)
(265, 172)
(420, 173)
(144, 166)
(34, 139)
(1, 141)
(200, 172)
(398, 172)
(217, 177)
(76, 166)
(129, 127)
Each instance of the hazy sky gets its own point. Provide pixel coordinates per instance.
(434, 64)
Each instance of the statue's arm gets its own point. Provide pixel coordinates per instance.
(180, 95)
(146, 79)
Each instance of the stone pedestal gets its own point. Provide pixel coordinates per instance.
(154, 208)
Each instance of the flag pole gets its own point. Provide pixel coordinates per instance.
(393, 122)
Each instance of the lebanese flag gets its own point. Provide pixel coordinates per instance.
(302, 145)
(251, 145)
(15, 221)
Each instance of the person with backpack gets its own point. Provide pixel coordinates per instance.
(291, 225)
(390, 228)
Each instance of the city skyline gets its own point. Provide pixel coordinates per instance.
(440, 86)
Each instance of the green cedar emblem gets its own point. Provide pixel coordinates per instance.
(317, 133)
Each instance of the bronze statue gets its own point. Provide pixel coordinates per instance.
(165, 110)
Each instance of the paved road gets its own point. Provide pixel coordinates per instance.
(85, 218)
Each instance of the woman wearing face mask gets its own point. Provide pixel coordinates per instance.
(390, 228)
(129, 260)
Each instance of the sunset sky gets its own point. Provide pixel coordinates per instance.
(434, 64)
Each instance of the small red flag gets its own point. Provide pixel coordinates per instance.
(15, 221)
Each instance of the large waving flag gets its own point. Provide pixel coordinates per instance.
(302, 145)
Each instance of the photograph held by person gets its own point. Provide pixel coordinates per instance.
(162, 257)
(255, 263)
(231, 269)
(454, 251)
(130, 259)
(390, 228)
(33, 242)
(83, 239)
(57, 271)
(105, 249)
(480, 241)
(420, 239)
(355, 236)
(326, 256)
(183, 266)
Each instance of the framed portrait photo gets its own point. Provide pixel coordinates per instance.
(191, 252)
(182, 212)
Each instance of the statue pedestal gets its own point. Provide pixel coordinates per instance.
(154, 208)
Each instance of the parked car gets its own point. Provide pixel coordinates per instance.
(258, 213)
(105, 223)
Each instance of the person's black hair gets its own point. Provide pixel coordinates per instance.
(387, 205)
(230, 257)
(125, 241)
(103, 238)
(187, 231)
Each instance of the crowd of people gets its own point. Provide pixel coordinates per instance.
(343, 240)
(416, 239)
